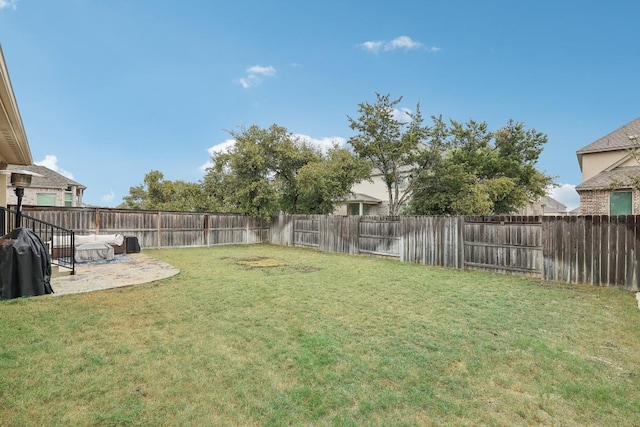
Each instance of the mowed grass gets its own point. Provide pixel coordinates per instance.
(268, 335)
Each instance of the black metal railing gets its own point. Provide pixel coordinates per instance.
(59, 241)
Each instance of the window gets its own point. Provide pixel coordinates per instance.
(46, 199)
(354, 209)
(68, 200)
(620, 203)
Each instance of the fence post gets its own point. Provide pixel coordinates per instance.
(207, 228)
(159, 229)
(292, 232)
(461, 260)
(97, 221)
(358, 220)
(403, 256)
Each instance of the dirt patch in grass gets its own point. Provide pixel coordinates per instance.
(267, 262)
(260, 262)
(306, 269)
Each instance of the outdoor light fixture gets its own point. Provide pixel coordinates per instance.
(20, 180)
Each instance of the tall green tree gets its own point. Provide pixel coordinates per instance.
(391, 143)
(482, 172)
(241, 179)
(271, 170)
(157, 193)
(325, 182)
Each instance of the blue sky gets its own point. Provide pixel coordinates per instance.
(109, 90)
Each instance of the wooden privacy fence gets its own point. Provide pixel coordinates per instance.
(598, 250)
(158, 229)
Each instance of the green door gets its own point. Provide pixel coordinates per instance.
(620, 203)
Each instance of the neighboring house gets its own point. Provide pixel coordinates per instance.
(610, 173)
(360, 204)
(48, 188)
(368, 197)
(14, 146)
(546, 205)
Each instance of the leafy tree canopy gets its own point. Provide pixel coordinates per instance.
(479, 172)
(271, 170)
(390, 140)
(160, 194)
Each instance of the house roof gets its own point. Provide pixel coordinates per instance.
(49, 178)
(622, 177)
(616, 140)
(360, 197)
(552, 205)
(14, 146)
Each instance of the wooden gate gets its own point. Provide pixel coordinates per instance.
(504, 244)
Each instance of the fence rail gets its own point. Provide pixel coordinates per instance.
(598, 250)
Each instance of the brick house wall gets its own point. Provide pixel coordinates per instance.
(594, 203)
(30, 197)
(597, 202)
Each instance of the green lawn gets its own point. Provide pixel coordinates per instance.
(268, 335)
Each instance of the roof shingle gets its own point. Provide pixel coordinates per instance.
(616, 140)
(49, 178)
(623, 177)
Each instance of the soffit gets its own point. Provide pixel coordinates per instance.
(14, 146)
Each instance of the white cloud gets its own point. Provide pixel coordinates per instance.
(324, 143)
(247, 82)
(50, 161)
(402, 42)
(567, 195)
(402, 115)
(203, 168)
(255, 74)
(223, 147)
(107, 198)
(259, 69)
(374, 47)
(8, 4)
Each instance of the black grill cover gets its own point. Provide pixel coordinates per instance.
(25, 266)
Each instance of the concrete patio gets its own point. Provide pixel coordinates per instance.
(132, 269)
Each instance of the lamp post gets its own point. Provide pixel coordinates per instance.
(20, 181)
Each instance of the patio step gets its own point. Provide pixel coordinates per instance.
(57, 271)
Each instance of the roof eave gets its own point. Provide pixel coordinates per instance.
(14, 146)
